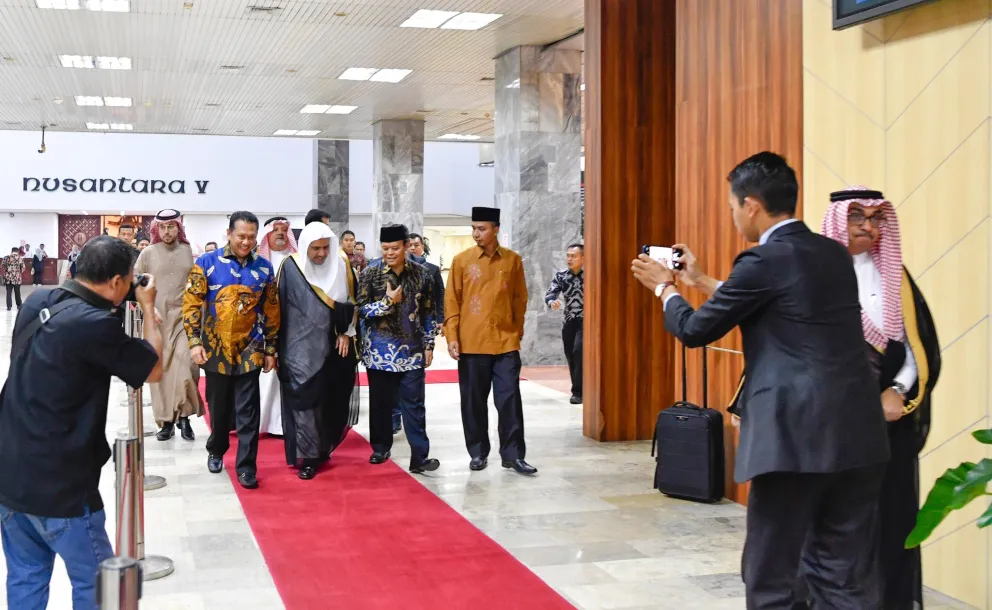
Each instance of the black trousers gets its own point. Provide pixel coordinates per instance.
(899, 502)
(571, 336)
(477, 373)
(822, 527)
(405, 391)
(234, 397)
(16, 290)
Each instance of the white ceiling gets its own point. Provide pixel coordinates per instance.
(289, 57)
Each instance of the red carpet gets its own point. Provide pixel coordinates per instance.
(433, 376)
(366, 537)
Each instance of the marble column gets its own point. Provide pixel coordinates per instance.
(398, 174)
(332, 182)
(538, 177)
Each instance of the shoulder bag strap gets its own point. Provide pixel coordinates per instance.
(20, 342)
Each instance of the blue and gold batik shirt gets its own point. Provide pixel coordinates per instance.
(395, 335)
(241, 320)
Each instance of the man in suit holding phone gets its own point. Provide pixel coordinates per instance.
(813, 438)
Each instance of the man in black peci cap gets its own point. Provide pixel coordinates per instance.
(485, 304)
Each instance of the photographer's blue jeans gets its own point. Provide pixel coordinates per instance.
(30, 544)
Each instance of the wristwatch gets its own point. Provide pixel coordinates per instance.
(660, 288)
(900, 389)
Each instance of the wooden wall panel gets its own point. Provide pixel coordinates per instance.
(630, 201)
(739, 89)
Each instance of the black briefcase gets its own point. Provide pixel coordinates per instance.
(689, 440)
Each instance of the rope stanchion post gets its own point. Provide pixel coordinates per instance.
(118, 586)
(131, 482)
(134, 325)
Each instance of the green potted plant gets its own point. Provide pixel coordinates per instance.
(954, 490)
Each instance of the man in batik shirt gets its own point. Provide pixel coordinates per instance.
(235, 341)
(398, 326)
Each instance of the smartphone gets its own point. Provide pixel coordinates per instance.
(661, 253)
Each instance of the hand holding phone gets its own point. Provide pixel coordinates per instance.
(662, 253)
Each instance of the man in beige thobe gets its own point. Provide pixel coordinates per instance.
(169, 259)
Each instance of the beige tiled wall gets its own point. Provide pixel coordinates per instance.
(903, 105)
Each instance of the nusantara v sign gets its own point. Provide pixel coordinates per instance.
(113, 185)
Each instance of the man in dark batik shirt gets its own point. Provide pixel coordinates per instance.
(568, 285)
(398, 326)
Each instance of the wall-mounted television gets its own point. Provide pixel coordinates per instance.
(853, 12)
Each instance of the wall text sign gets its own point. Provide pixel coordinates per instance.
(113, 185)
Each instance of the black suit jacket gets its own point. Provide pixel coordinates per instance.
(809, 402)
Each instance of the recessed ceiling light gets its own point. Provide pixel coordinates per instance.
(107, 6)
(428, 19)
(458, 136)
(76, 61)
(390, 75)
(357, 73)
(122, 126)
(124, 102)
(296, 132)
(314, 109)
(113, 63)
(89, 62)
(341, 109)
(97, 126)
(88, 100)
(383, 75)
(470, 21)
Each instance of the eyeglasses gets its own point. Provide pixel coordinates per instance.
(856, 219)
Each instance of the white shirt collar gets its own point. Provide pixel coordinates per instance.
(768, 233)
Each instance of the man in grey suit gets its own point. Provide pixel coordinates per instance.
(813, 438)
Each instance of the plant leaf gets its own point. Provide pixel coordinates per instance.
(974, 484)
(940, 502)
(983, 436)
(986, 519)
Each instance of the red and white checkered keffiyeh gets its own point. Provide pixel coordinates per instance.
(265, 249)
(157, 237)
(886, 253)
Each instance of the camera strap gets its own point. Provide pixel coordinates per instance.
(20, 342)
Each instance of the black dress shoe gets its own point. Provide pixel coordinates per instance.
(478, 463)
(248, 480)
(168, 431)
(426, 466)
(575, 400)
(186, 430)
(215, 463)
(379, 458)
(520, 466)
(307, 472)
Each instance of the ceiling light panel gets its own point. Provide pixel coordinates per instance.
(341, 109)
(314, 109)
(107, 6)
(88, 100)
(113, 63)
(470, 21)
(122, 126)
(358, 73)
(296, 132)
(97, 126)
(390, 75)
(459, 136)
(428, 19)
(76, 61)
(88, 62)
(121, 102)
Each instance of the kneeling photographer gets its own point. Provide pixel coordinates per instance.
(67, 344)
